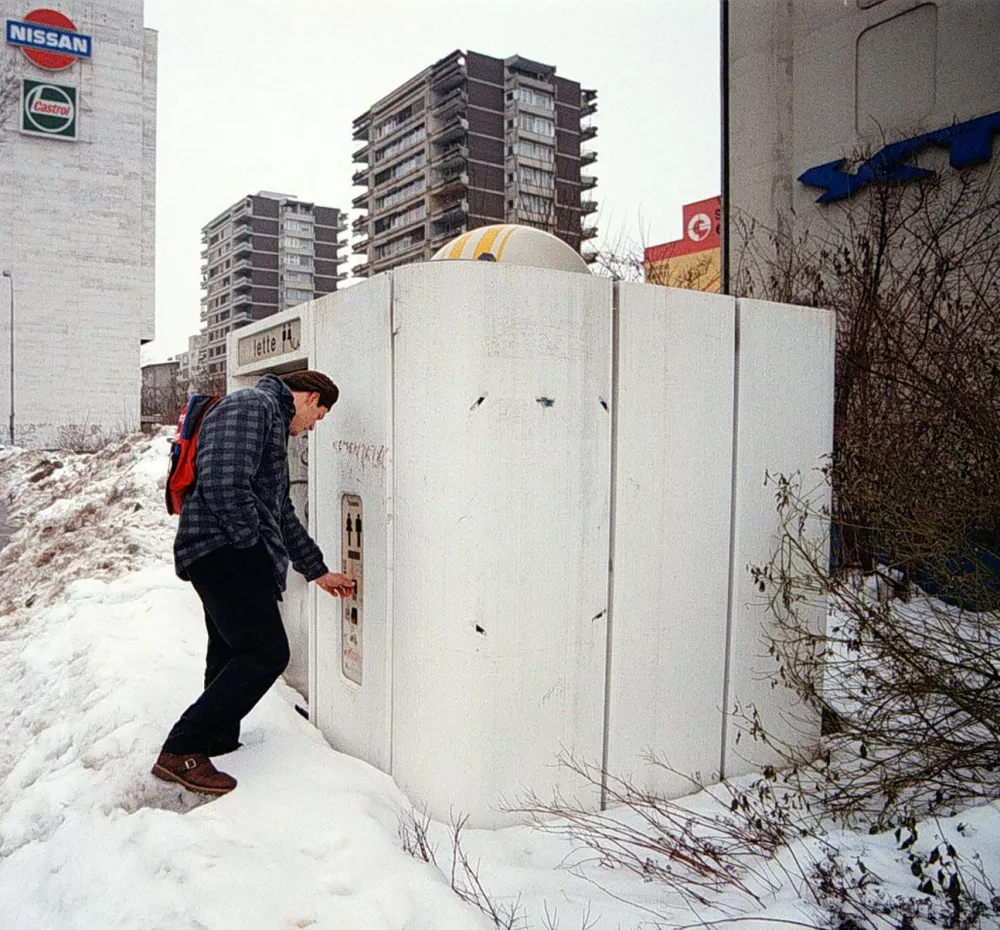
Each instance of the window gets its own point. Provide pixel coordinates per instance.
(535, 177)
(294, 293)
(536, 98)
(535, 150)
(297, 226)
(417, 212)
(389, 126)
(400, 194)
(537, 124)
(532, 203)
(298, 277)
(294, 242)
(401, 144)
(400, 245)
(404, 167)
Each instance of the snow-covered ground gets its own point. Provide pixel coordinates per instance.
(101, 647)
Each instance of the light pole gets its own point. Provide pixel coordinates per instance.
(10, 278)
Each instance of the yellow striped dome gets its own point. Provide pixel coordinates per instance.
(513, 244)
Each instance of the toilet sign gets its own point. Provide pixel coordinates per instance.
(352, 532)
(269, 343)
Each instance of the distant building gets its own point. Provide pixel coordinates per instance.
(693, 260)
(265, 253)
(472, 141)
(187, 363)
(162, 395)
(77, 217)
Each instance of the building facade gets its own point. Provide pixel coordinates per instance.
(693, 260)
(77, 211)
(265, 253)
(821, 100)
(471, 141)
(162, 395)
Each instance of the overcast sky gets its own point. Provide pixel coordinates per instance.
(260, 95)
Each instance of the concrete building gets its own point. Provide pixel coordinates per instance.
(472, 141)
(187, 362)
(77, 179)
(265, 253)
(888, 86)
(162, 393)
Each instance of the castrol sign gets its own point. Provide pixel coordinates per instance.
(48, 110)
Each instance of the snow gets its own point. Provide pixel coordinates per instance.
(101, 648)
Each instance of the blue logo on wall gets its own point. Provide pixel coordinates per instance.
(968, 143)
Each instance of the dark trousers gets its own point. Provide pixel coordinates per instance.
(247, 646)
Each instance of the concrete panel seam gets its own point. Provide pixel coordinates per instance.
(612, 515)
(730, 596)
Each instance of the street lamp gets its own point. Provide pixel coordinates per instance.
(10, 278)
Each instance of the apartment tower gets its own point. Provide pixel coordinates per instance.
(470, 141)
(265, 253)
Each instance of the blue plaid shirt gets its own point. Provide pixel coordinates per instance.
(241, 492)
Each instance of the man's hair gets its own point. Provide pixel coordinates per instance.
(309, 381)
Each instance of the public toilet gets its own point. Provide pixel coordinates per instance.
(549, 487)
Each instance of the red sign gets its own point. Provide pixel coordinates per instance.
(50, 61)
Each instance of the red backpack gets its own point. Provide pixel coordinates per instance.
(181, 475)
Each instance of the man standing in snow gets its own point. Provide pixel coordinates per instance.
(238, 531)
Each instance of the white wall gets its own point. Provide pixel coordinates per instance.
(352, 455)
(784, 425)
(501, 530)
(676, 353)
(76, 230)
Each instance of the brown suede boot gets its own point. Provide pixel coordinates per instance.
(194, 772)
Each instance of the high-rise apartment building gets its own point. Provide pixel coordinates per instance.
(265, 253)
(468, 142)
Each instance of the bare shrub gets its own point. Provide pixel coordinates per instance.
(910, 687)
(462, 874)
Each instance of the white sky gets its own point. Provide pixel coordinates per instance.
(260, 95)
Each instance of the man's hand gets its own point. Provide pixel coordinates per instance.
(336, 584)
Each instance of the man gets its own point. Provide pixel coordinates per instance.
(238, 531)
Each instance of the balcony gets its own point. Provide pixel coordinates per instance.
(588, 232)
(360, 225)
(444, 181)
(588, 181)
(360, 178)
(588, 158)
(456, 155)
(361, 201)
(341, 223)
(587, 133)
(456, 100)
(361, 127)
(361, 246)
(450, 76)
(588, 206)
(450, 131)
(360, 155)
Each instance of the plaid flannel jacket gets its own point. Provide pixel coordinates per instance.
(241, 491)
